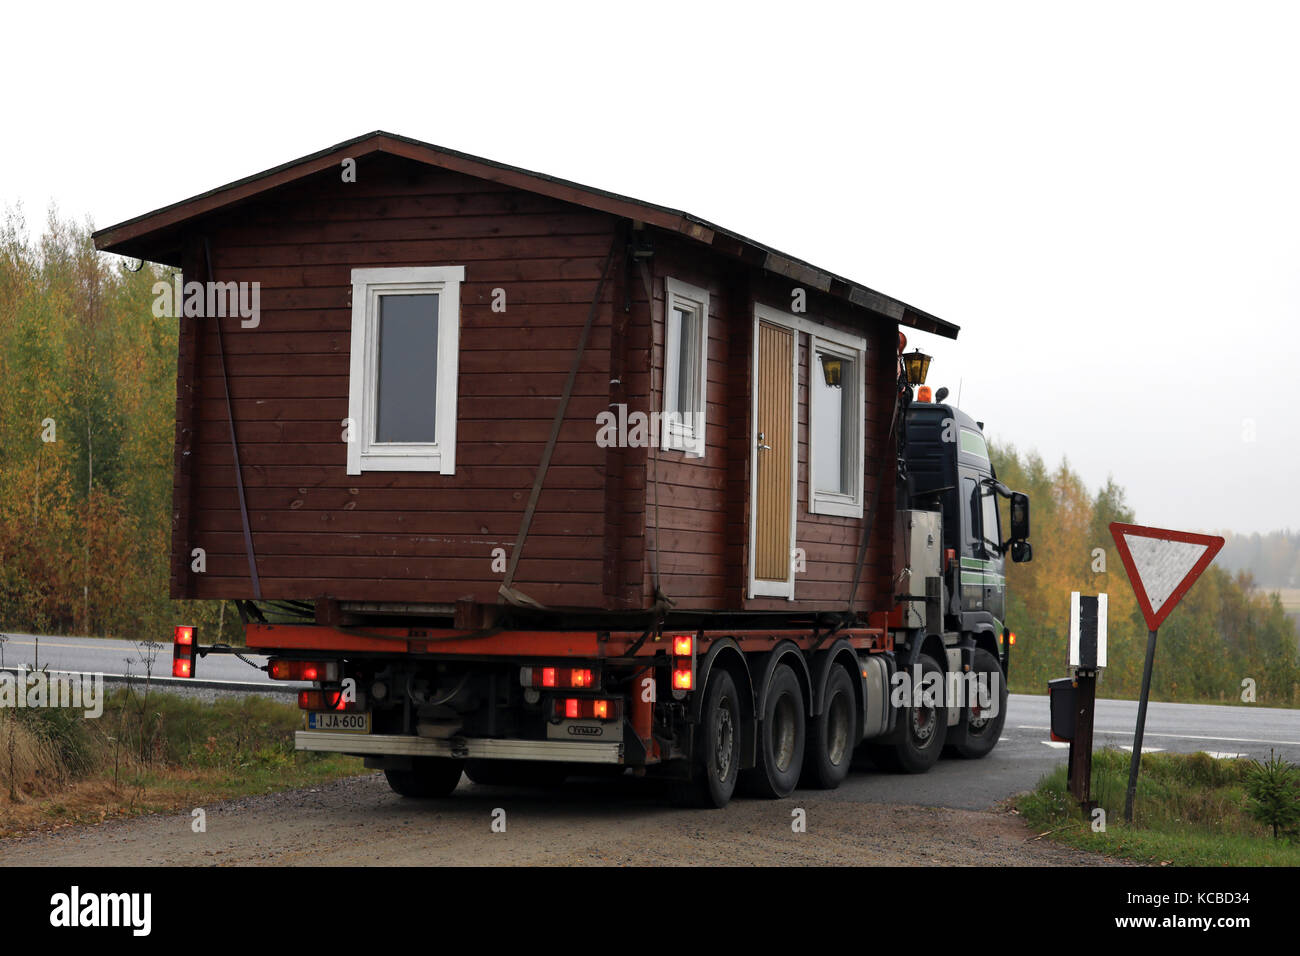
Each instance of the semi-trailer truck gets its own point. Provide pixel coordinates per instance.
(767, 702)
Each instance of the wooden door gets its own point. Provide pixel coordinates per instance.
(774, 448)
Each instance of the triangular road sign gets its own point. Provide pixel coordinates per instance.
(1162, 564)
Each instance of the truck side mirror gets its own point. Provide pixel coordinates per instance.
(1021, 551)
(1019, 517)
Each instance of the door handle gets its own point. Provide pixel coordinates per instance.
(761, 446)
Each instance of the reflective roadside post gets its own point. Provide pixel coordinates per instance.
(1087, 657)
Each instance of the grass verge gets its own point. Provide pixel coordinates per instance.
(1191, 810)
(147, 753)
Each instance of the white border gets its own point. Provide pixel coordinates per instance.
(365, 454)
(828, 502)
(681, 434)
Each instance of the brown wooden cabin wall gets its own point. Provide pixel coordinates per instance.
(401, 536)
(692, 493)
(704, 503)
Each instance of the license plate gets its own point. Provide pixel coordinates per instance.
(340, 723)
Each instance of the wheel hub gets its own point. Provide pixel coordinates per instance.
(724, 736)
(783, 734)
(837, 743)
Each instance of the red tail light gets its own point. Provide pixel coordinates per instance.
(587, 708)
(583, 677)
(683, 663)
(331, 699)
(303, 670)
(183, 651)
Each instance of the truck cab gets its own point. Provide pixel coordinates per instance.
(948, 469)
(950, 592)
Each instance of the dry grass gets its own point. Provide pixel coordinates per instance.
(29, 763)
(148, 754)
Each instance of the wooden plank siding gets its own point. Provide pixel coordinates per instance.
(691, 493)
(413, 536)
(831, 543)
(704, 502)
(399, 536)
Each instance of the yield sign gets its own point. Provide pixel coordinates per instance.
(1162, 564)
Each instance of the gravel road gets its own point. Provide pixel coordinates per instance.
(359, 822)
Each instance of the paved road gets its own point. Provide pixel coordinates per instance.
(91, 655)
(1025, 754)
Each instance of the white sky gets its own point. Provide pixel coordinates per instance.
(1105, 197)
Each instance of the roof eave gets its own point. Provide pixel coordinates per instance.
(150, 236)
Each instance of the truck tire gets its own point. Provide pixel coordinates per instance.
(980, 733)
(781, 738)
(428, 777)
(516, 773)
(832, 734)
(717, 748)
(921, 733)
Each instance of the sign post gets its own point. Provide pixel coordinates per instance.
(1087, 657)
(1162, 565)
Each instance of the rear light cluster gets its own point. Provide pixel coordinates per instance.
(683, 662)
(183, 656)
(587, 708)
(575, 677)
(328, 700)
(303, 670)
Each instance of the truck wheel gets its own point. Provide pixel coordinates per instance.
(516, 773)
(717, 749)
(780, 738)
(982, 731)
(833, 734)
(428, 777)
(923, 729)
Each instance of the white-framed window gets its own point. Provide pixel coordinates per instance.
(836, 410)
(686, 364)
(405, 354)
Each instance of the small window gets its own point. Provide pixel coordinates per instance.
(989, 527)
(835, 399)
(972, 443)
(405, 353)
(686, 344)
(973, 509)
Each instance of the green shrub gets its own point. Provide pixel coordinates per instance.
(1273, 788)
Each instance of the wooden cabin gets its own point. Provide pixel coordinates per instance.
(436, 339)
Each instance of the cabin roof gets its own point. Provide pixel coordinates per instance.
(156, 236)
